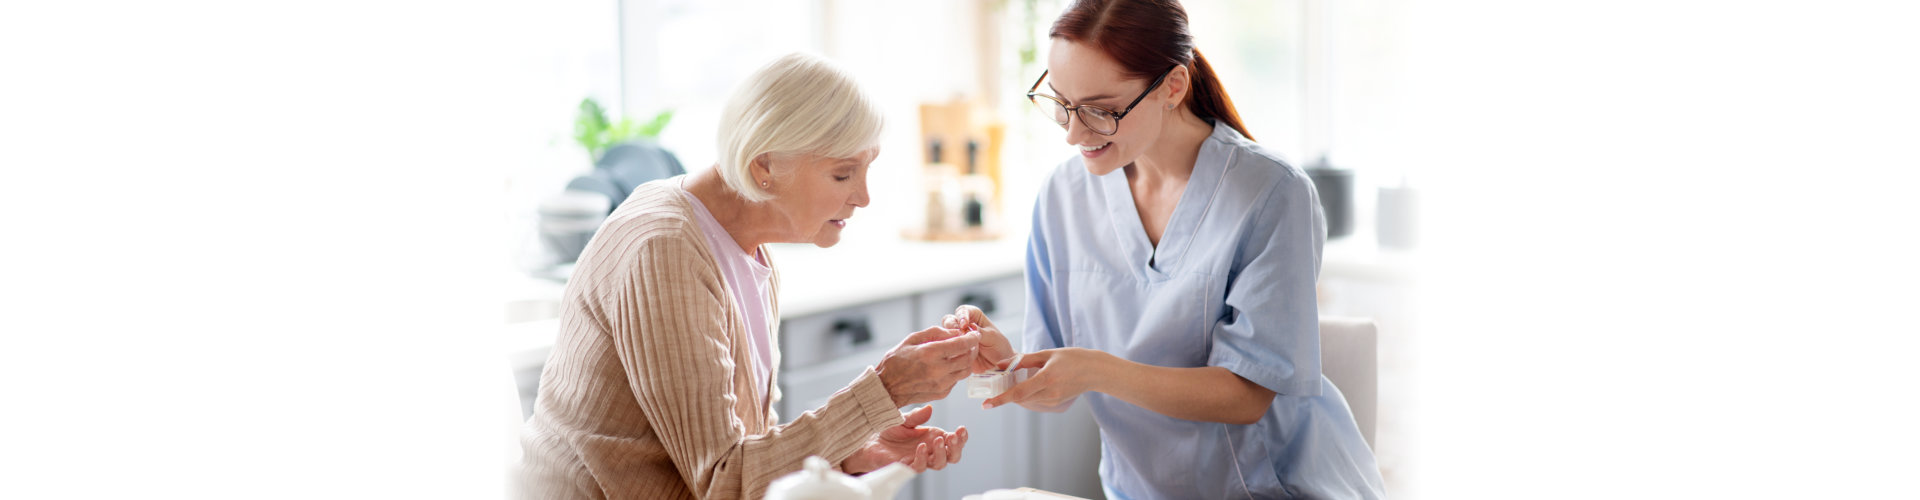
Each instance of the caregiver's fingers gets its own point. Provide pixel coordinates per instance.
(1019, 392)
(1035, 359)
(973, 315)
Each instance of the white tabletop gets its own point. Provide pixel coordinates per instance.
(814, 280)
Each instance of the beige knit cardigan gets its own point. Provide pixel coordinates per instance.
(650, 392)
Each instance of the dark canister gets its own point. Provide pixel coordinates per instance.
(1335, 186)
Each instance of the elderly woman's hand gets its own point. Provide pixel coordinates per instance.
(994, 346)
(925, 366)
(919, 447)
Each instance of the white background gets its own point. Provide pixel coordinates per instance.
(1671, 246)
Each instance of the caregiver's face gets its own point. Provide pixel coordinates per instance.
(1082, 74)
(815, 194)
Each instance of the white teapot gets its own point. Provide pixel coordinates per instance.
(818, 481)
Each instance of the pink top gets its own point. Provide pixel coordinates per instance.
(749, 278)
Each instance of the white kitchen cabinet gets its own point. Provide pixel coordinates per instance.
(1004, 299)
(1066, 452)
(821, 353)
(805, 389)
(863, 332)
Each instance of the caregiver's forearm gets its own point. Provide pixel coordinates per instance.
(1208, 394)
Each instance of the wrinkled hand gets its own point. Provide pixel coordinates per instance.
(926, 365)
(909, 443)
(1064, 374)
(994, 346)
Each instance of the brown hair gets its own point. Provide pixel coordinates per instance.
(1148, 37)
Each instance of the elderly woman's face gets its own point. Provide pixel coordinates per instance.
(817, 194)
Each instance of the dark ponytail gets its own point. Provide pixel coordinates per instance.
(1147, 37)
(1208, 99)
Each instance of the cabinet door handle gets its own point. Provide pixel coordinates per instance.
(857, 328)
(984, 301)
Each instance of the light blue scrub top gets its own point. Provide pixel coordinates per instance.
(1231, 285)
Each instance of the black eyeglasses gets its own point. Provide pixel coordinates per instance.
(1100, 120)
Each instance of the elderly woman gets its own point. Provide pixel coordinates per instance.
(662, 382)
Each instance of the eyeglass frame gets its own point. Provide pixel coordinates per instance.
(1075, 108)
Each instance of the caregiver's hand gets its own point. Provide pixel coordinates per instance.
(925, 366)
(1064, 374)
(919, 447)
(994, 347)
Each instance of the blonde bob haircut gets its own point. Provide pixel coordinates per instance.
(799, 103)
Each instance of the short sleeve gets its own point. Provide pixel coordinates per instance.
(1269, 332)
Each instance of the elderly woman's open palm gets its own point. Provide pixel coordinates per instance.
(910, 443)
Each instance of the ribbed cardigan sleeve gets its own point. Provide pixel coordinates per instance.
(669, 326)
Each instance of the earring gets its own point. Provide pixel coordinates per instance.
(763, 184)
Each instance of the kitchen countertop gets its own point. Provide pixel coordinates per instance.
(815, 280)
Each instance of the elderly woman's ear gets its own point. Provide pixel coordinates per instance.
(762, 170)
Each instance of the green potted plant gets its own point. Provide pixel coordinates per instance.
(593, 131)
(569, 218)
